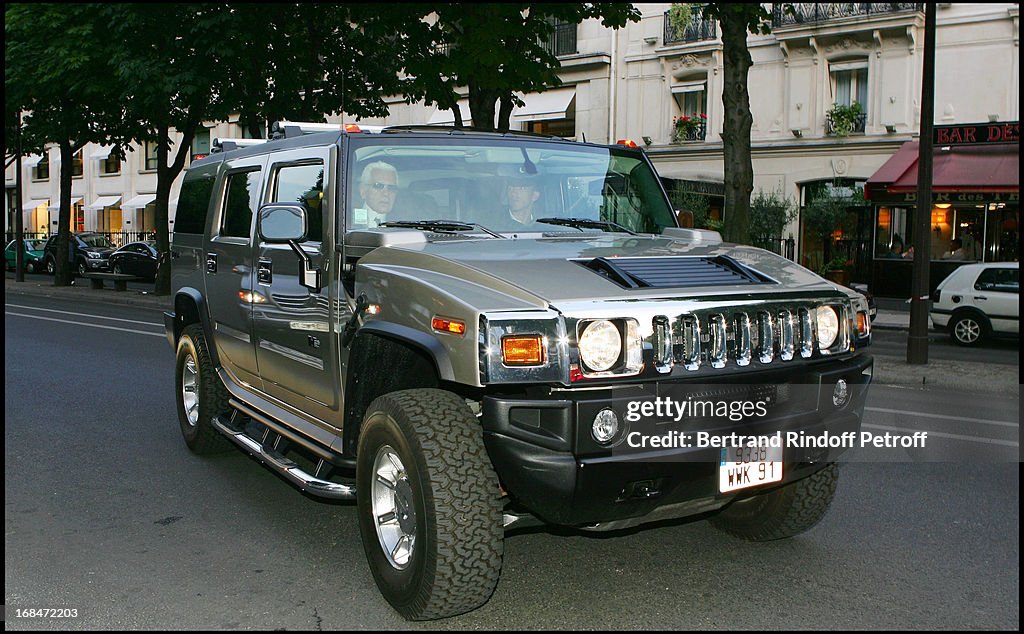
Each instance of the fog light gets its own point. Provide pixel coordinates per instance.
(606, 425)
(841, 393)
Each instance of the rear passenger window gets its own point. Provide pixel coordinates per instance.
(193, 203)
(239, 203)
(1005, 280)
(303, 184)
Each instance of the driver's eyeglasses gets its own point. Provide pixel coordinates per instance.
(382, 186)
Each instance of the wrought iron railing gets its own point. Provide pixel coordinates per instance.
(857, 127)
(786, 247)
(693, 134)
(814, 12)
(28, 235)
(119, 238)
(562, 40)
(698, 30)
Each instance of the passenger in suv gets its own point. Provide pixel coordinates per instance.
(457, 376)
(89, 252)
(978, 301)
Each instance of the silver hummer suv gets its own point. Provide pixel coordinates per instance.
(466, 332)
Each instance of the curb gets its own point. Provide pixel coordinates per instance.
(961, 376)
(86, 294)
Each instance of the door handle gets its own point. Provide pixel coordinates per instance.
(264, 272)
(211, 262)
(980, 297)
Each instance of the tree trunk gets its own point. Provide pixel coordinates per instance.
(481, 107)
(65, 265)
(505, 112)
(739, 171)
(166, 173)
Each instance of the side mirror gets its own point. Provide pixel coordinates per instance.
(281, 223)
(286, 223)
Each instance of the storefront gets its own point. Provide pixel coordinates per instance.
(975, 214)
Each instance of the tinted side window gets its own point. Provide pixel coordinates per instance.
(1006, 280)
(303, 184)
(193, 203)
(239, 203)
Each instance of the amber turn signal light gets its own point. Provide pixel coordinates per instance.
(862, 323)
(522, 350)
(452, 326)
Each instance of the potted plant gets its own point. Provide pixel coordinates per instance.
(837, 269)
(686, 127)
(844, 118)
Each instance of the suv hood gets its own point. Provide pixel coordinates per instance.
(552, 270)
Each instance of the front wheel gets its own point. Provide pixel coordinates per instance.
(51, 266)
(783, 512)
(82, 270)
(429, 504)
(200, 393)
(117, 269)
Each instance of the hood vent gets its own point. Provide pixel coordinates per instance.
(675, 272)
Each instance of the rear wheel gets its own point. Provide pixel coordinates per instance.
(783, 512)
(967, 329)
(429, 504)
(200, 394)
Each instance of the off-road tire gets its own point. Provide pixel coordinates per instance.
(456, 558)
(82, 268)
(967, 329)
(200, 436)
(780, 513)
(51, 266)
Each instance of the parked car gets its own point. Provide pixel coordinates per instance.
(91, 252)
(33, 255)
(135, 258)
(978, 301)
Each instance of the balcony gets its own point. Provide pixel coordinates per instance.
(837, 128)
(562, 40)
(809, 13)
(698, 30)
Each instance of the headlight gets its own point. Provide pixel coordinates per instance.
(828, 327)
(600, 345)
(91, 254)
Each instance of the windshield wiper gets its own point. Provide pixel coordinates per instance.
(441, 225)
(585, 222)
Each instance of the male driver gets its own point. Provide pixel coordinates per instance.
(378, 186)
(522, 194)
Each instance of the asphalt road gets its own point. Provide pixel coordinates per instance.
(109, 514)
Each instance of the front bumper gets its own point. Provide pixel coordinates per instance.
(545, 458)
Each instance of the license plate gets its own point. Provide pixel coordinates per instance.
(743, 467)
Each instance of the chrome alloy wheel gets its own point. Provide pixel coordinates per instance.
(967, 330)
(190, 390)
(394, 514)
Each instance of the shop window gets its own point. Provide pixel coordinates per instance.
(1002, 234)
(41, 171)
(303, 184)
(78, 218)
(894, 233)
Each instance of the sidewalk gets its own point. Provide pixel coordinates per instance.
(971, 376)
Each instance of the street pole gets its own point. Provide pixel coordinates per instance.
(917, 342)
(19, 217)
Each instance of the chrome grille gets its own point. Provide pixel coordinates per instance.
(735, 338)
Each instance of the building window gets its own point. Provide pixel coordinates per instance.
(110, 165)
(849, 85)
(565, 128)
(151, 158)
(201, 144)
(76, 164)
(41, 171)
(562, 40)
(690, 122)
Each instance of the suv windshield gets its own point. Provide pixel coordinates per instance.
(503, 184)
(96, 240)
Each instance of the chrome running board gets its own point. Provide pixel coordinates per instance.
(286, 467)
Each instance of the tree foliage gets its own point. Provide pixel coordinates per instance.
(495, 50)
(770, 212)
(63, 88)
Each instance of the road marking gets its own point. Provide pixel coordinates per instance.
(991, 441)
(983, 421)
(68, 312)
(78, 323)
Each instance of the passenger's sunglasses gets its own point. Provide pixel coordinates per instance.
(382, 186)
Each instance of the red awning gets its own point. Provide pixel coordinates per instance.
(963, 168)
